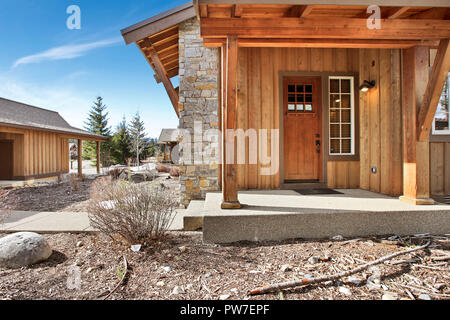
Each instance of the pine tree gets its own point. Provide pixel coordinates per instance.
(138, 139)
(97, 122)
(120, 144)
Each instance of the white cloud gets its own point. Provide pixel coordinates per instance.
(66, 52)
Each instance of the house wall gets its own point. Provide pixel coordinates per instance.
(199, 103)
(37, 153)
(440, 168)
(379, 111)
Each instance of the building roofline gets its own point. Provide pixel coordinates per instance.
(158, 23)
(387, 3)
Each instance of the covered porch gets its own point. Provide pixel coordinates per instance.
(393, 72)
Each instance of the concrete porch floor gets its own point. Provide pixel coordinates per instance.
(285, 214)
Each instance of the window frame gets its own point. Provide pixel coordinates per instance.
(442, 133)
(352, 117)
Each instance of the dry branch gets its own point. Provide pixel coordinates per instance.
(125, 265)
(306, 281)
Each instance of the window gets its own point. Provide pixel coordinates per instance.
(441, 123)
(341, 115)
(300, 98)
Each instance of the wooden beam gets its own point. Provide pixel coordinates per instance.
(433, 13)
(393, 3)
(229, 187)
(396, 12)
(162, 75)
(439, 74)
(322, 43)
(344, 28)
(98, 156)
(237, 11)
(79, 158)
(416, 156)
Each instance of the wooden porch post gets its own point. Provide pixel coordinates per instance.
(416, 155)
(229, 65)
(79, 159)
(98, 156)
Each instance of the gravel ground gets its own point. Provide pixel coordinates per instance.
(182, 267)
(55, 197)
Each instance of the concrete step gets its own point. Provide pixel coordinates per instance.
(193, 217)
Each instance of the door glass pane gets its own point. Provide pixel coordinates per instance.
(346, 116)
(346, 131)
(291, 88)
(335, 101)
(308, 88)
(335, 146)
(291, 98)
(308, 98)
(308, 107)
(300, 88)
(334, 86)
(334, 131)
(335, 116)
(345, 86)
(346, 146)
(291, 107)
(346, 102)
(300, 98)
(300, 107)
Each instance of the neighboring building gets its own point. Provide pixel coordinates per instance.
(332, 101)
(169, 139)
(34, 142)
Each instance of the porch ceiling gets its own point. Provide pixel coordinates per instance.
(288, 25)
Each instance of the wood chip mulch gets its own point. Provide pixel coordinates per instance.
(183, 267)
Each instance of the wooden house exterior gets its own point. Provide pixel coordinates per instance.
(34, 142)
(353, 105)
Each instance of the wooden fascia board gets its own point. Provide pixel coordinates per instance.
(343, 28)
(158, 23)
(322, 43)
(386, 3)
(438, 76)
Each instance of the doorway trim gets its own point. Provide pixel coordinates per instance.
(325, 134)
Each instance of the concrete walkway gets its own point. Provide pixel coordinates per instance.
(60, 222)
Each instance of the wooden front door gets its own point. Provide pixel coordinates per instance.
(302, 129)
(6, 159)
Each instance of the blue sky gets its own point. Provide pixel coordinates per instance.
(45, 64)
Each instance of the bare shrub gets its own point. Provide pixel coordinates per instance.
(7, 205)
(99, 188)
(134, 213)
(74, 181)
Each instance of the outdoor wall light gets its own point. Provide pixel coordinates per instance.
(367, 85)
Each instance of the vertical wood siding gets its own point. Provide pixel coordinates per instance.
(440, 168)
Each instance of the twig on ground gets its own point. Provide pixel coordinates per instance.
(125, 265)
(306, 281)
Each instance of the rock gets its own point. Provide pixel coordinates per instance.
(314, 260)
(189, 286)
(286, 268)
(182, 249)
(234, 290)
(389, 296)
(354, 280)
(80, 244)
(23, 249)
(166, 269)
(136, 247)
(345, 291)
(208, 275)
(224, 297)
(424, 297)
(338, 237)
(176, 290)
(162, 168)
(174, 172)
(160, 284)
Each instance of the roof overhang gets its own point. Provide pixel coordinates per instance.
(157, 39)
(389, 3)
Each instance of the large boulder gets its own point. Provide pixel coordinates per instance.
(23, 249)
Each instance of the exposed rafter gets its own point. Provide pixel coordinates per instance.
(396, 12)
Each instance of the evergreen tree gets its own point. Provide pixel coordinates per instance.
(152, 147)
(97, 122)
(120, 144)
(138, 139)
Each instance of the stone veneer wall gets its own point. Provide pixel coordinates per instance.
(198, 77)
